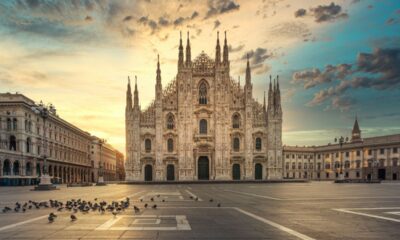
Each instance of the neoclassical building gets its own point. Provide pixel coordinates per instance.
(72, 154)
(358, 158)
(204, 125)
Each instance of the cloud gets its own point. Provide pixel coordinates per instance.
(235, 49)
(313, 77)
(390, 21)
(300, 12)
(342, 103)
(324, 13)
(216, 23)
(377, 70)
(216, 7)
(257, 56)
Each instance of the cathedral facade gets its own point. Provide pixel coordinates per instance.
(204, 125)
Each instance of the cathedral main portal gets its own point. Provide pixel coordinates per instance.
(203, 168)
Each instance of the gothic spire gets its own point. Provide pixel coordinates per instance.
(180, 58)
(158, 78)
(248, 75)
(136, 95)
(129, 95)
(217, 51)
(225, 54)
(188, 54)
(356, 132)
(264, 106)
(270, 93)
(277, 94)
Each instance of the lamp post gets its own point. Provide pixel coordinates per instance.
(100, 179)
(45, 179)
(341, 140)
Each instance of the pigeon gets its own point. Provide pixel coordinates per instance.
(154, 206)
(141, 200)
(163, 200)
(219, 205)
(52, 215)
(211, 200)
(196, 199)
(145, 205)
(191, 197)
(114, 213)
(152, 199)
(50, 218)
(73, 218)
(136, 209)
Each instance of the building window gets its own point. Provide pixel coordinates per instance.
(337, 165)
(357, 174)
(293, 165)
(299, 165)
(382, 151)
(319, 156)
(395, 162)
(13, 143)
(170, 121)
(358, 153)
(9, 125)
(327, 166)
(203, 93)
(28, 145)
(319, 166)
(337, 154)
(170, 145)
(235, 121)
(395, 150)
(203, 126)
(347, 154)
(14, 124)
(347, 164)
(370, 152)
(358, 164)
(327, 175)
(258, 144)
(147, 145)
(305, 165)
(236, 144)
(287, 166)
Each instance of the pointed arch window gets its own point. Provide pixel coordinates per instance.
(12, 143)
(203, 126)
(170, 121)
(203, 93)
(236, 121)
(147, 145)
(258, 144)
(236, 144)
(170, 145)
(15, 124)
(28, 145)
(9, 124)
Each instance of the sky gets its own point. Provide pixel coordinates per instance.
(335, 59)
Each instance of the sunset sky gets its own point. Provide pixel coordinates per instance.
(335, 59)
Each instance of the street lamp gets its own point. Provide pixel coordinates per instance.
(45, 179)
(341, 140)
(100, 179)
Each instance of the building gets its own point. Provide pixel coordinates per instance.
(26, 137)
(204, 125)
(358, 158)
(22, 138)
(120, 171)
(104, 159)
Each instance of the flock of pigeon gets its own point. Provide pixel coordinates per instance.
(78, 205)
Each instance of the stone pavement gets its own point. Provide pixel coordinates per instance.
(315, 210)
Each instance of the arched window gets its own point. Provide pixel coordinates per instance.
(203, 93)
(9, 125)
(16, 168)
(236, 144)
(235, 121)
(327, 166)
(147, 145)
(258, 144)
(28, 145)
(14, 124)
(6, 167)
(13, 143)
(170, 145)
(347, 164)
(26, 125)
(170, 121)
(299, 165)
(287, 166)
(28, 169)
(203, 126)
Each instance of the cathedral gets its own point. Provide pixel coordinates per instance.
(204, 125)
